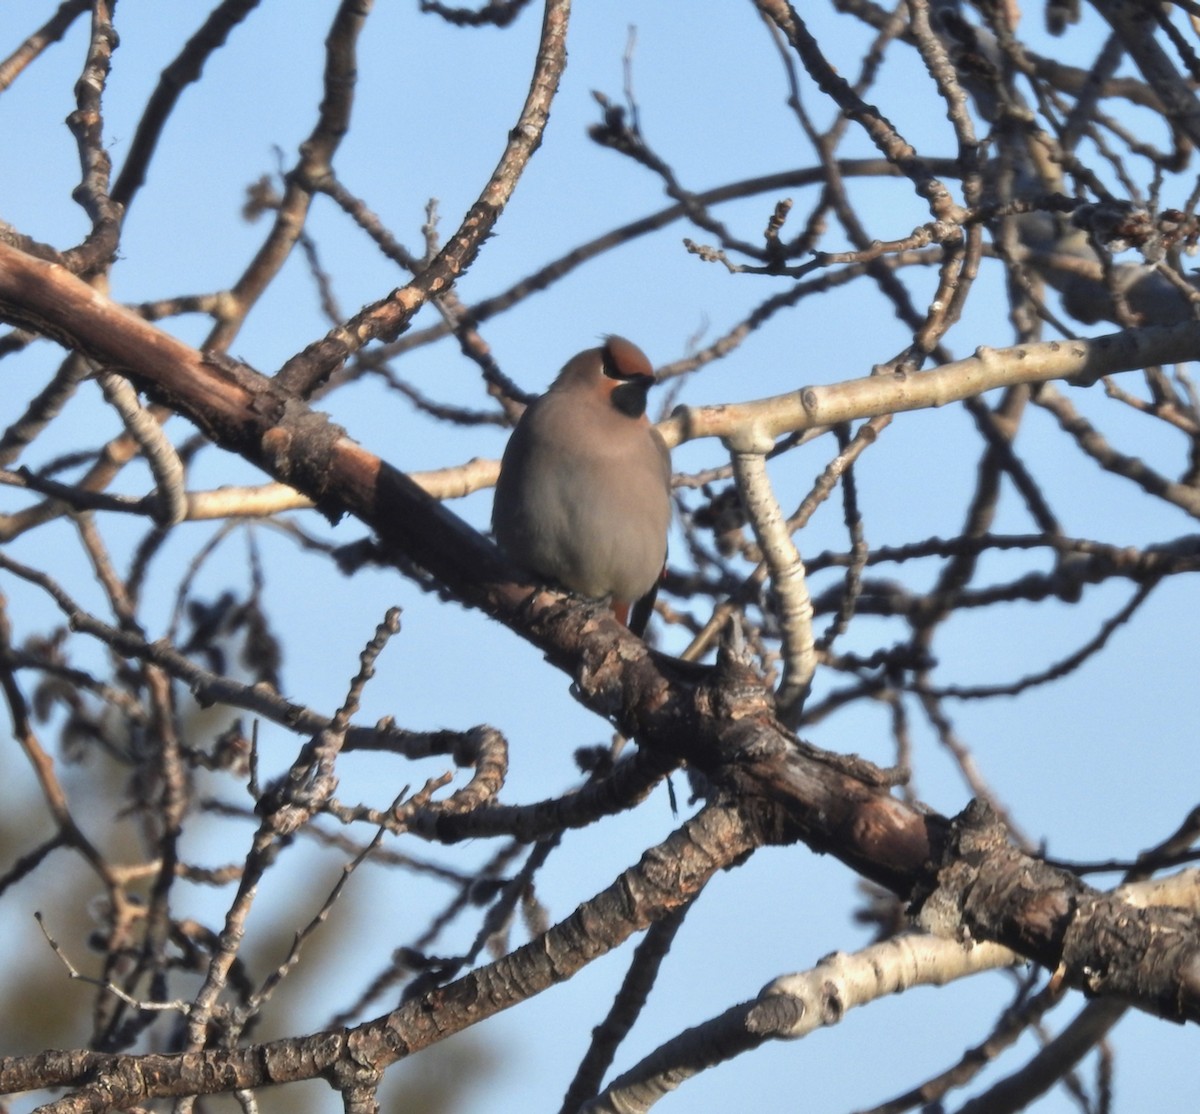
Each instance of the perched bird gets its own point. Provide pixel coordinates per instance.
(584, 495)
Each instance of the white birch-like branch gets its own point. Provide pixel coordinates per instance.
(261, 500)
(1078, 362)
(842, 981)
(793, 1006)
(1180, 890)
(237, 501)
(786, 568)
(170, 504)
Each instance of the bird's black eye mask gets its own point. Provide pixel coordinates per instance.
(629, 396)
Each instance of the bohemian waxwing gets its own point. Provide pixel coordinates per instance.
(584, 495)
